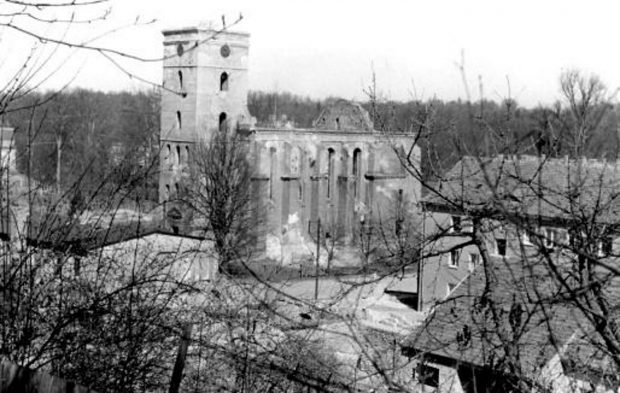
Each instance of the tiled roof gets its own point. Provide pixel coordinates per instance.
(61, 234)
(557, 188)
(517, 308)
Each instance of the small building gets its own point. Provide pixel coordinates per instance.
(509, 333)
(521, 205)
(187, 258)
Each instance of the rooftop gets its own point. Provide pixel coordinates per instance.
(512, 306)
(556, 188)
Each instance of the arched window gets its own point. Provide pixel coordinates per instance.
(337, 123)
(357, 154)
(168, 153)
(179, 123)
(331, 158)
(272, 170)
(178, 155)
(222, 121)
(224, 82)
(180, 80)
(294, 161)
(187, 154)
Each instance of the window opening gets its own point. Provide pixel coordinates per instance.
(456, 226)
(272, 170)
(454, 258)
(427, 375)
(356, 170)
(474, 261)
(222, 122)
(179, 124)
(331, 154)
(500, 246)
(224, 82)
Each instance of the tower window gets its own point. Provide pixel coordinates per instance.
(222, 121)
(167, 192)
(179, 123)
(168, 152)
(224, 82)
(337, 123)
(180, 80)
(187, 154)
(178, 155)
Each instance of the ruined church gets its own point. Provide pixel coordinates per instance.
(342, 171)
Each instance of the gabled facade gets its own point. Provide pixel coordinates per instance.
(522, 205)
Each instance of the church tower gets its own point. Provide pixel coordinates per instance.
(205, 80)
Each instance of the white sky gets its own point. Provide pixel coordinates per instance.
(329, 47)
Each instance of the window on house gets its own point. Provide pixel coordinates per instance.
(168, 153)
(549, 240)
(178, 155)
(427, 375)
(222, 122)
(179, 122)
(453, 260)
(525, 238)
(224, 82)
(180, 80)
(187, 154)
(337, 123)
(456, 224)
(605, 247)
(474, 261)
(500, 247)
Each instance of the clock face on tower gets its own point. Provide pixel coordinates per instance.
(225, 50)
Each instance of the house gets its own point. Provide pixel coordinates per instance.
(521, 205)
(520, 279)
(127, 246)
(506, 329)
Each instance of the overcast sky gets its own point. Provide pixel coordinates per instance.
(329, 48)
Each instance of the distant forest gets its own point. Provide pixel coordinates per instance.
(97, 135)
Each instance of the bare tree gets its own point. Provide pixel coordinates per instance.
(220, 193)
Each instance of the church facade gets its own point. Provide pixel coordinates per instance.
(342, 171)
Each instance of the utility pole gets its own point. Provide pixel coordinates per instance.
(318, 250)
